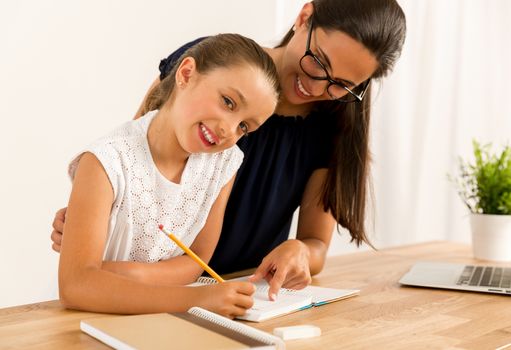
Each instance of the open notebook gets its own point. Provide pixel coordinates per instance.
(287, 301)
(196, 329)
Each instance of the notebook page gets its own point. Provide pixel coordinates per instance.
(265, 308)
(319, 295)
(322, 295)
(288, 300)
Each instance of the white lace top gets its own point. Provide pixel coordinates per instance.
(144, 198)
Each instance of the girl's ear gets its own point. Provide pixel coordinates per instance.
(304, 15)
(185, 71)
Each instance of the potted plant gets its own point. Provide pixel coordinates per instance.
(485, 188)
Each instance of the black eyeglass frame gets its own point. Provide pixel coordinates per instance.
(308, 52)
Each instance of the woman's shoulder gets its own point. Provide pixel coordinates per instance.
(289, 143)
(292, 127)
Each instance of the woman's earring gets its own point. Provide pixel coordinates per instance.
(180, 83)
(294, 28)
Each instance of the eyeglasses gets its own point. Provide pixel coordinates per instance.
(315, 69)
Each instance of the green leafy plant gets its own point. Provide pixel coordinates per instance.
(485, 185)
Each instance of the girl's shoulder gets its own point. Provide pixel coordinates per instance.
(218, 167)
(231, 157)
(132, 129)
(126, 135)
(119, 147)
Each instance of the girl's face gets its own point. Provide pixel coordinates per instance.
(346, 60)
(214, 110)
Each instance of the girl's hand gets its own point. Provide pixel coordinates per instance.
(286, 266)
(58, 229)
(229, 299)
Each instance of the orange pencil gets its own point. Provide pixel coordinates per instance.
(192, 255)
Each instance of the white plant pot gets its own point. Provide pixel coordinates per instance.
(491, 236)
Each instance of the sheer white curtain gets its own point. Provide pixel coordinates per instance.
(451, 85)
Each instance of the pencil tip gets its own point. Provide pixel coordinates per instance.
(160, 226)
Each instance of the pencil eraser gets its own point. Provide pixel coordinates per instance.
(297, 332)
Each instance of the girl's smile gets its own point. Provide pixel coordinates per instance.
(207, 136)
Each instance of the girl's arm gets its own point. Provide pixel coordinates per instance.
(181, 269)
(292, 262)
(85, 285)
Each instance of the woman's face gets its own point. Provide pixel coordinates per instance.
(346, 60)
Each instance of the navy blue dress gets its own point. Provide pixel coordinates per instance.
(279, 159)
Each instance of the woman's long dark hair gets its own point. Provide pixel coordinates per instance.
(380, 26)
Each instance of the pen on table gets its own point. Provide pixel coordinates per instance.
(191, 254)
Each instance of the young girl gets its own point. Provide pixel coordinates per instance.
(174, 166)
(313, 153)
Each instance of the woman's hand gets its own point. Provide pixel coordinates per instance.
(286, 266)
(58, 229)
(291, 264)
(229, 299)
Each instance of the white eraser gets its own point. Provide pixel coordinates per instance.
(297, 332)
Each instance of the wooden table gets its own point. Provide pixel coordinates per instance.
(384, 316)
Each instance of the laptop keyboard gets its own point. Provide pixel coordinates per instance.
(486, 276)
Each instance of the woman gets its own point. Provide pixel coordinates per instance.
(314, 151)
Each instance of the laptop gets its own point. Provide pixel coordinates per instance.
(476, 278)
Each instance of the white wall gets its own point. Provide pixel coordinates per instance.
(70, 71)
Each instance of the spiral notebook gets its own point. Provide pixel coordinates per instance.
(288, 300)
(195, 329)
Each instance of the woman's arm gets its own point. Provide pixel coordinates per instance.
(181, 269)
(315, 226)
(85, 285)
(292, 263)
